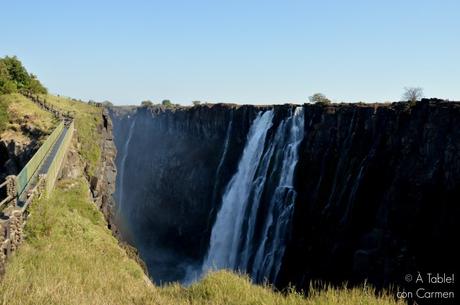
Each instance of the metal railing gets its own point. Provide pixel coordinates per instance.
(56, 164)
(30, 170)
(6, 188)
(12, 210)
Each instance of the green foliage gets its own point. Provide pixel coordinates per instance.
(166, 103)
(15, 78)
(196, 103)
(146, 103)
(107, 104)
(319, 98)
(4, 118)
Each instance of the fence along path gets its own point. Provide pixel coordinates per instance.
(36, 179)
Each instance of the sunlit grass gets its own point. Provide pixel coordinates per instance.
(87, 120)
(19, 115)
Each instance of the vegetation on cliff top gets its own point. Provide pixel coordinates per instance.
(20, 117)
(88, 119)
(15, 78)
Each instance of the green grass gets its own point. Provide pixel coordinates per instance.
(19, 115)
(3, 114)
(87, 120)
(70, 257)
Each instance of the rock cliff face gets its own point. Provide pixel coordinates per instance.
(102, 184)
(378, 193)
(15, 152)
(377, 187)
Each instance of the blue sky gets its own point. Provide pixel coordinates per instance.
(246, 51)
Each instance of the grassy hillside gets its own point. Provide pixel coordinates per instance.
(87, 120)
(20, 118)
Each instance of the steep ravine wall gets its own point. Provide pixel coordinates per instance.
(377, 187)
(168, 182)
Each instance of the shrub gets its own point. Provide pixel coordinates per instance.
(412, 94)
(319, 98)
(147, 103)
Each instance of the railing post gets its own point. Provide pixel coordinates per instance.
(5, 245)
(12, 188)
(42, 185)
(16, 236)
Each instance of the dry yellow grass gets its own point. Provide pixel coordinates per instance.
(25, 117)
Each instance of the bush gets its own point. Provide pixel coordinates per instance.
(146, 103)
(319, 98)
(166, 103)
(412, 94)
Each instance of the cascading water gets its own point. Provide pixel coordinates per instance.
(123, 164)
(270, 252)
(250, 230)
(225, 236)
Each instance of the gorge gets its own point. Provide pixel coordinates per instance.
(290, 194)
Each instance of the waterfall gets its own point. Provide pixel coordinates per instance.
(252, 224)
(123, 163)
(270, 252)
(225, 235)
(222, 158)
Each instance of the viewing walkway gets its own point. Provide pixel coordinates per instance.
(35, 180)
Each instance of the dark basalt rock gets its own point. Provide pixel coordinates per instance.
(377, 184)
(378, 193)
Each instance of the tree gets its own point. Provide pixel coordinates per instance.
(166, 103)
(36, 87)
(14, 77)
(196, 103)
(412, 94)
(319, 98)
(107, 104)
(147, 103)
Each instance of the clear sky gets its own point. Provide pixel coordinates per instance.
(242, 51)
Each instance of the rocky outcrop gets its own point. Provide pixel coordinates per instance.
(102, 184)
(378, 191)
(14, 155)
(376, 187)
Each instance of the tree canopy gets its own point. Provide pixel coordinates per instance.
(15, 78)
(146, 103)
(412, 94)
(319, 98)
